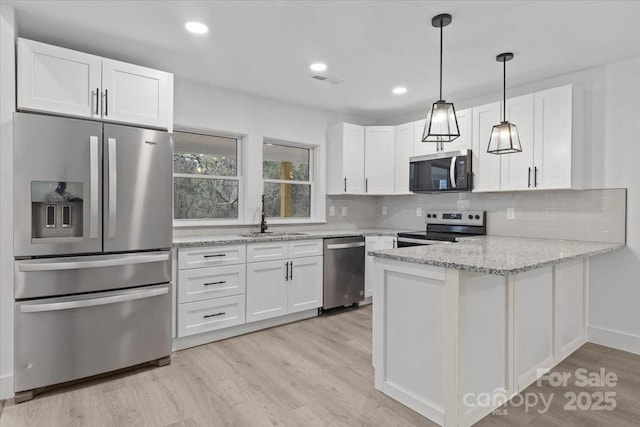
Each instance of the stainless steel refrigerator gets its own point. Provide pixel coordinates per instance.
(92, 239)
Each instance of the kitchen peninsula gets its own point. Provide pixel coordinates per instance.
(459, 329)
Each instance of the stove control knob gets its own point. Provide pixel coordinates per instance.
(428, 215)
(477, 216)
(435, 215)
(470, 216)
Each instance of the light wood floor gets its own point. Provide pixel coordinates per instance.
(313, 372)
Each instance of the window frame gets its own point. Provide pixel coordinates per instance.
(239, 177)
(313, 156)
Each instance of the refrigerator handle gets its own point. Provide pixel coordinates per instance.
(81, 303)
(93, 190)
(113, 184)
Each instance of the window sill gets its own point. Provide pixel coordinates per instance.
(293, 221)
(186, 223)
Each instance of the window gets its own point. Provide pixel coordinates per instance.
(206, 176)
(288, 180)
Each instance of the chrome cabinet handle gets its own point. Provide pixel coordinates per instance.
(291, 272)
(222, 313)
(97, 101)
(345, 184)
(529, 178)
(93, 187)
(286, 275)
(215, 283)
(113, 185)
(112, 299)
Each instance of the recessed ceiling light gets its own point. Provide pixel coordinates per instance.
(399, 90)
(196, 27)
(318, 66)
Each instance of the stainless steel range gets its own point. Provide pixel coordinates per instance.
(445, 227)
(92, 239)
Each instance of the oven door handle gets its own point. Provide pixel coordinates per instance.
(111, 299)
(78, 265)
(452, 172)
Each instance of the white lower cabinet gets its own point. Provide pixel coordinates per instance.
(374, 243)
(266, 289)
(287, 285)
(210, 315)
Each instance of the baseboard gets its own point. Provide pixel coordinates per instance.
(6, 387)
(615, 339)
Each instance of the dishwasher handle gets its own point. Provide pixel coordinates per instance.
(345, 245)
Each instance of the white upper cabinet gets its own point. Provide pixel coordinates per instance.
(379, 153)
(486, 167)
(553, 150)
(135, 94)
(52, 78)
(421, 148)
(517, 168)
(63, 81)
(404, 150)
(345, 159)
(465, 126)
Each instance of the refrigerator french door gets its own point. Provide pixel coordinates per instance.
(59, 192)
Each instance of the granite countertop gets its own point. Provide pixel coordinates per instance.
(498, 255)
(239, 239)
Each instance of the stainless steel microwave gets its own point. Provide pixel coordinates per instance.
(441, 172)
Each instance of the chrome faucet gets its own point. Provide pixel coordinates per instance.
(263, 222)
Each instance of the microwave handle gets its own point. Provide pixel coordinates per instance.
(452, 172)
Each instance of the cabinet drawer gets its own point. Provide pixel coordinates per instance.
(303, 248)
(210, 315)
(198, 284)
(211, 256)
(267, 251)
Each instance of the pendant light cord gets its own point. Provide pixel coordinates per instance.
(504, 90)
(441, 26)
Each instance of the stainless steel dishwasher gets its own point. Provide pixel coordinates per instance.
(343, 271)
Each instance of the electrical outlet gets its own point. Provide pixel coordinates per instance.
(343, 211)
(418, 211)
(511, 213)
(384, 210)
(332, 211)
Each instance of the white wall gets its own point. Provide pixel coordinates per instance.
(204, 106)
(7, 106)
(609, 131)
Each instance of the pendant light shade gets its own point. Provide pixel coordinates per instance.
(504, 137)
(442, 124)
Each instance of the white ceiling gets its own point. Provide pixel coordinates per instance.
(265, 47)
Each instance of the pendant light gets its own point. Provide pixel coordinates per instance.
(504, 137)
(442, 124)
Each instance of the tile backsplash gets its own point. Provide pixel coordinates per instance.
(597, 215)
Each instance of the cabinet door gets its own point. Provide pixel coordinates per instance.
(465, 126)
(517, 168)
(353, 158)
(372, 243)
(266, 290)
(378, 159)
(404, 150)
(135, 94)
(305, 286)
(553, 127)
(57, 80)
(486, 167)
(421, 148)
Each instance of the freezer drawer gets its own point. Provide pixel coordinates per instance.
(64, 339)
(48, 277)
